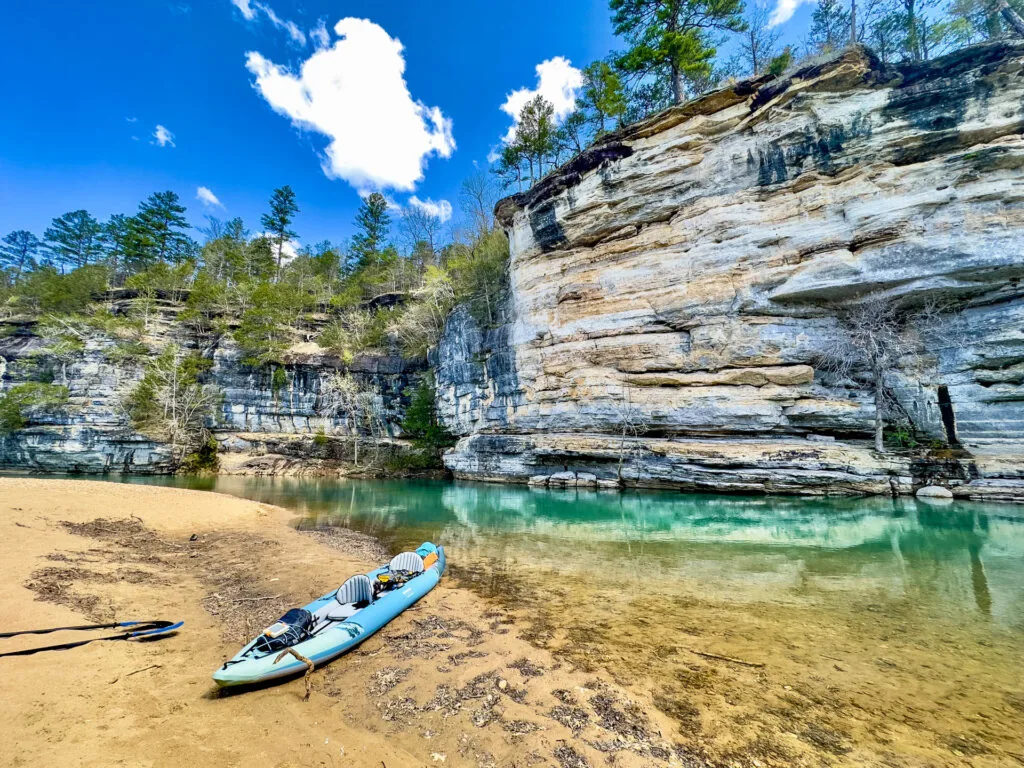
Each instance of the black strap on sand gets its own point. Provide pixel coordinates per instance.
(139, 630)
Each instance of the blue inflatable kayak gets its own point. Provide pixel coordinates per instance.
(336, 622)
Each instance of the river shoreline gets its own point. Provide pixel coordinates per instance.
(448, 682)
(510, 661)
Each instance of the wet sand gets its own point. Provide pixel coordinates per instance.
(450, 682)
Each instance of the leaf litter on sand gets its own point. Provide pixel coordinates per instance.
(242, 597)
(386, 678)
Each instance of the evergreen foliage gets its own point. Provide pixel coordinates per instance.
(673, 40)
(18, 251)
(73, 240)
(278, 221)
(373, 223)
(422, 427)
(18, 402)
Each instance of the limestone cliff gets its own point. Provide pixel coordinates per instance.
(260, 427)
(682, 276)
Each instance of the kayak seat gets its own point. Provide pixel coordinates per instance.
(407, 561)
(351, 597)
(356, 590)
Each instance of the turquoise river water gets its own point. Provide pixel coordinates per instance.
(884, 626)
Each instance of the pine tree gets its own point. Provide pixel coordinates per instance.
(18, 252)
(74, 239)
(572, 135)
(830, 25)
(279, 221)
(373, 223)
(673, 40)
(117, 239)
(157, 232)
(536, 134)
(509, 167)
(602, 99)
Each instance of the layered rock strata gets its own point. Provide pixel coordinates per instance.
(93, 432)
(674, 290)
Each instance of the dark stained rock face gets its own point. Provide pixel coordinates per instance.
(684, 275)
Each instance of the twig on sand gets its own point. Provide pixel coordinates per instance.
(151, 666)
(755, 664)
(254, 599)
(309, 668)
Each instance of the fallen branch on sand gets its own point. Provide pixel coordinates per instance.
(309, 668)
(151, 666)
(730, 659)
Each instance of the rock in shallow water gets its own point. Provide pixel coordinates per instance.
(934, 492)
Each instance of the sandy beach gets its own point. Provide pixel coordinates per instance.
(447, 683)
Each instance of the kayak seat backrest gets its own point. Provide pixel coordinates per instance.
(355, 590)
(407, 561)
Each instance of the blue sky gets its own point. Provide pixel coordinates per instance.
(86, 86)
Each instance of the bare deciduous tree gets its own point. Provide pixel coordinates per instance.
(760, 41)
(172, 404)
(360, 406)
(632, 423)
(419, 225)
(477, 198)
(876, 334)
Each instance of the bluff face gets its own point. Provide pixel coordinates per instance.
(261, 426)
(682, 277)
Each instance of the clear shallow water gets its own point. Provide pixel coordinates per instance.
(890, 630)
(965, 559)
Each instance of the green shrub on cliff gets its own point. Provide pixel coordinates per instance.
(269, 322)
(47, 290)
(173, 403)
(422, 427)
(479, 275)
(20, 400)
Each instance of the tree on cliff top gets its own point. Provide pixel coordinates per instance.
(536, 133)
(759, 42)
(18, 252)
(673, 39)
(830, 25)
(602, 99)
(74, 239)
(158, 231)
(279, 221)
(373, 222)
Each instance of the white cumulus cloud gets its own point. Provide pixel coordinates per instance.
(205, 194)
(441, 210)
(557, 81)
(289, 248)
(355, 94)
(784, 10)
(162, 137)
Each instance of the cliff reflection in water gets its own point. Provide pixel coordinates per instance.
(947, 560)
